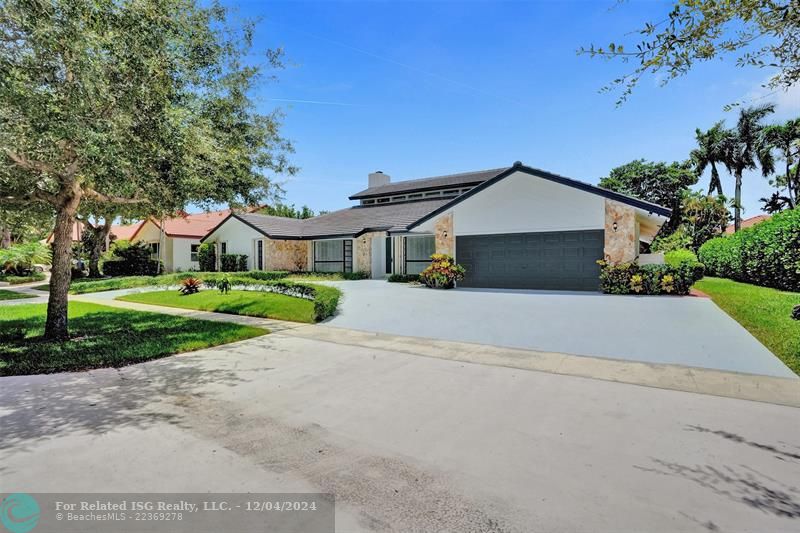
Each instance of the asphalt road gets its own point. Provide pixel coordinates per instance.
(407, 443)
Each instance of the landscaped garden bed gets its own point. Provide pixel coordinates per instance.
(763, 311)
(235, 302)
(102, 336)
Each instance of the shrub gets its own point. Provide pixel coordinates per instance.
(207, 257)
(766, 254)
(266, 274)
(190, 286)
(442, 273)
(150, 267)
(233, 263)
(403, 278)
(16, 280)
(224, 285)
(355, 276)
(677, 257)
(18, 260)
(677, 240)
(632, 278)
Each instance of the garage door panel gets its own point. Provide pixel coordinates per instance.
(544, 260)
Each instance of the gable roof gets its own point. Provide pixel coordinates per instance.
(398, 217)
(746, 223)
(424, 184)
(125, 232)
(350, 222)
(569, 182)
(192, 226)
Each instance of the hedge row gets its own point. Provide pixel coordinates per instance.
(122, 267)
(766, 254)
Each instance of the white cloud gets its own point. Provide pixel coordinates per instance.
(787, 101)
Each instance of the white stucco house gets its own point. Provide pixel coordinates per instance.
(511, 227)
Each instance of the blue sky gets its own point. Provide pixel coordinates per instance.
(423, 89)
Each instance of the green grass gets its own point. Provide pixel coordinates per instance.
(103, 337)
(250, 303)
(45, 287)
(764, 312)
(11, 295)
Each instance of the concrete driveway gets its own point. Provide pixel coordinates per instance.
(656, 329)
(407, 443)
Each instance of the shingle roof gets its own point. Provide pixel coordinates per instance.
(194, 224)
(345, 222)
(437, 182)
(272, 225)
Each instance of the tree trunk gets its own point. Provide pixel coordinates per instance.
(716, 183)
(61, 272)
(5, 237)
(100, 237)
(737, 207)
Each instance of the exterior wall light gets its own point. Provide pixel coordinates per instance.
(614, 226)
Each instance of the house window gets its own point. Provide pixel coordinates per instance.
(223, 248)
(388, 255)
(260, 254)
(333, 256)
(154, 247)
(193, 254)
(419, 249)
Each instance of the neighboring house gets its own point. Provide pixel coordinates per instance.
(177, 245)
(513, 227)
(176, 241)
(746, 223)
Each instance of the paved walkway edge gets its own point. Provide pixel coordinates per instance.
(768, 389)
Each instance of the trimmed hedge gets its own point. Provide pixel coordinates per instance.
(207, 257)
(632, 278)
(16, 280)
(325, 298)
(767, 254)
(122, 267)
(403, 278)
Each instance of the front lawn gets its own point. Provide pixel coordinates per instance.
(13, 295)
(103, 337)
(764, 312)
(250, 303)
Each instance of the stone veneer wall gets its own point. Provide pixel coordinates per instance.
(285, 254)
(363, 251)
(443, 234)
(621, 246)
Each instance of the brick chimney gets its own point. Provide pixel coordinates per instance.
(378, 178)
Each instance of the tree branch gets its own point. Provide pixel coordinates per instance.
(93, 194)
(23, 162)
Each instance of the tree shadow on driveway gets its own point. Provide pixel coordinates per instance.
(41, 407)
(739, 483)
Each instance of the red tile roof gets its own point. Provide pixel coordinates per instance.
(746, 223)
(194, 225)
(125, 232)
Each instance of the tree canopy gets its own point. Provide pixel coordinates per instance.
(129, 102)
(287, 211)
(656, 182)
(761, 33)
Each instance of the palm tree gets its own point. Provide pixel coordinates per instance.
(785, 138)
(745, 149)
(710, 150)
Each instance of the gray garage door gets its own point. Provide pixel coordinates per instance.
(560, 260)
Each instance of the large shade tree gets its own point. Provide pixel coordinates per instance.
(747, 149)
(758, 33)
(128, 102)
(657, 182)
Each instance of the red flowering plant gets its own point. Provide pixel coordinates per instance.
(443, 272)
